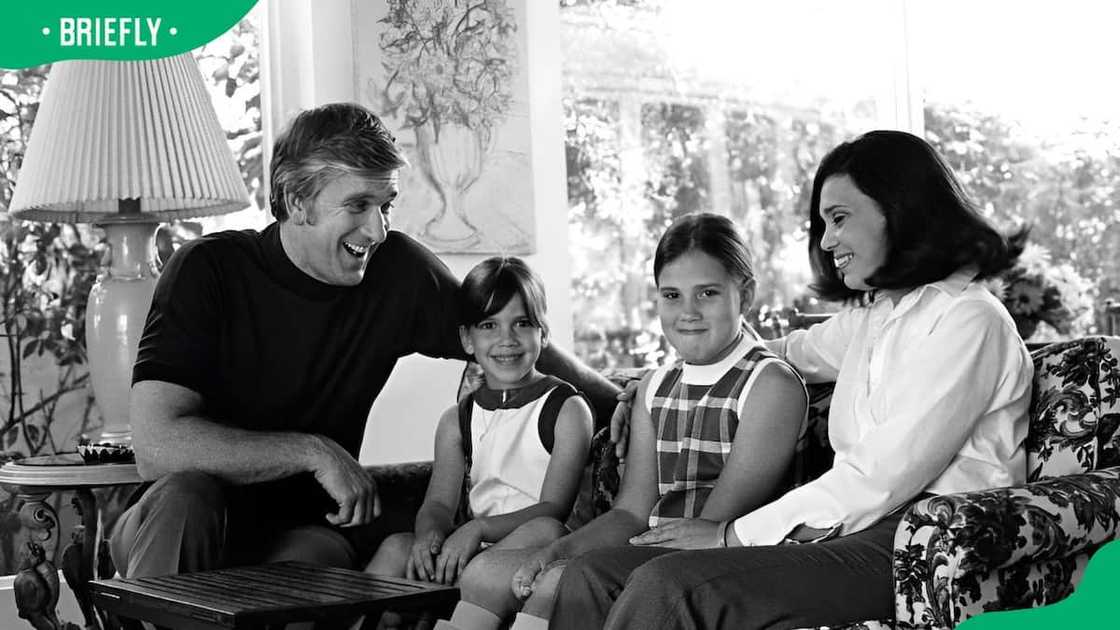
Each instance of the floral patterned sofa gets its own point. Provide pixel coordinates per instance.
(960, 555)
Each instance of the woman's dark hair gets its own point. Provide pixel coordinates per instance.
(712, 234)
(493, 283)
(933, 228)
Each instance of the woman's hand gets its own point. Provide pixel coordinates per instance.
(536, 566)
(421, 561)
(804, 534)
(458, 549)
(689, 533)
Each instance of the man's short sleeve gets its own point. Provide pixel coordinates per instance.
(179, 344)
(436, 329)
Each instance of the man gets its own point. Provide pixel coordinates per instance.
(262, 355)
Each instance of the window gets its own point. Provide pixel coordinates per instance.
(674, 107)
(1026, 114)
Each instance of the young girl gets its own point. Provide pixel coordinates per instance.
(713, 436)
(521, 439)
(932, 389)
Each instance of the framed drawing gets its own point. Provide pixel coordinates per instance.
(448, 76)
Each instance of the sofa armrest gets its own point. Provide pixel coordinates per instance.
(946, 547)
(402, 486)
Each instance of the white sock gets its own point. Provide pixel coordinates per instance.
(468, 616)
(525, 621)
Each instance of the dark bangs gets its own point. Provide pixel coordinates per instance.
(490, 286)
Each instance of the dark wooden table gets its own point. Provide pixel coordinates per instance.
(264, 595)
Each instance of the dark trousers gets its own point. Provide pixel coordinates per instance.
(188, 522)
(787, 586)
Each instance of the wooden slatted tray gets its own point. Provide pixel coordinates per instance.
(263, 595)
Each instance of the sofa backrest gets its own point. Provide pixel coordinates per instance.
(1074, 412)
(1074, 419)
(1075, 408)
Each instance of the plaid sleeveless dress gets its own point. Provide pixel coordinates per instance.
(695, 429)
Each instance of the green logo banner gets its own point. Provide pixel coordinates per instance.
(1092, 604)
(34, 33)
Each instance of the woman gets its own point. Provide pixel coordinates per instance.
(932, 390)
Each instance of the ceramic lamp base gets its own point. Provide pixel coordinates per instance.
(115, 315)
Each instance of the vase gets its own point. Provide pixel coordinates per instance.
(451, 161)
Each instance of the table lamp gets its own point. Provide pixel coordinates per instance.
(125, 145)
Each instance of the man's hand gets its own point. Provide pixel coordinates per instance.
(537, 564)
(458, 549)
(347, 483)
(689, 533)
(620, 419)
(421, 560)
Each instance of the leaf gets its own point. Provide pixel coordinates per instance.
(31, 347)
(221, 73)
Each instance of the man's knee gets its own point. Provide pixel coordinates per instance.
(189, 493)
(312, 544)
(175, 511)
(182, 500)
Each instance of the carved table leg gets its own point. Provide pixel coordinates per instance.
(36, 583)
(78, 557)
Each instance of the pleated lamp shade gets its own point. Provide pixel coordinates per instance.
(109, 131)
(126, 145)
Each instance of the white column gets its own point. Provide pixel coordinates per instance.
(307, 59)
(719, 179)
(900, 105)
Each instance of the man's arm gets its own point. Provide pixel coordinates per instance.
(171, 435)
(562, 364)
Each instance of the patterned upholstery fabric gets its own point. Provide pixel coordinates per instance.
(960, 555)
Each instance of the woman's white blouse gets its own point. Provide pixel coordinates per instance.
(931, 396)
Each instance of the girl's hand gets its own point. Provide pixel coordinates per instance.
(458, 549)
(531, 569)
(689, 533)
(421, 564)
(620, 419)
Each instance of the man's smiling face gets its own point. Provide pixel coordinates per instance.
(332, 236)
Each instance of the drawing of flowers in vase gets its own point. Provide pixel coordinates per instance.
(447, 77)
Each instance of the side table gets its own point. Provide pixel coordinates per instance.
(32, 481)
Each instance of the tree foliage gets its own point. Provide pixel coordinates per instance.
(1067, 188)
